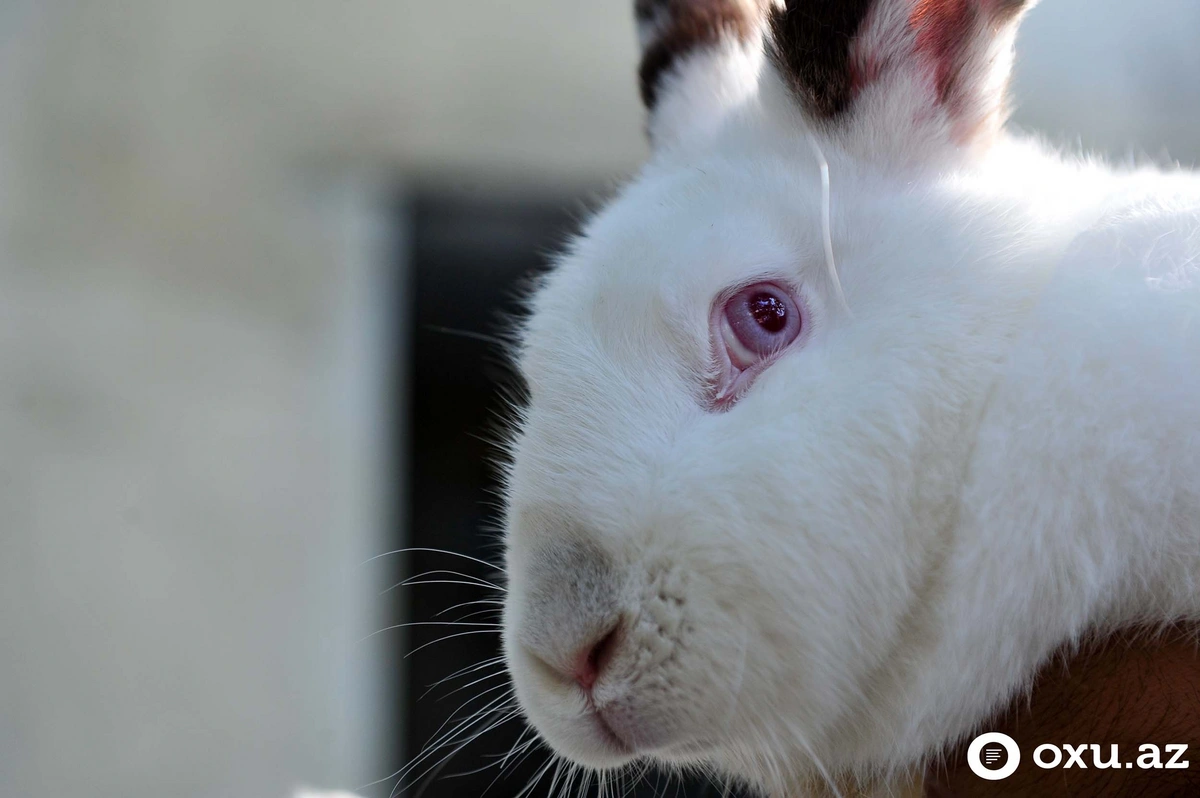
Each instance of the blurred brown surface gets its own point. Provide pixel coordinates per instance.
(1129, 690)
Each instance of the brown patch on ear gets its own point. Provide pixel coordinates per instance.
(675, 28)
(811, 42)
(817, 45)
(944, 35)
(949, 33)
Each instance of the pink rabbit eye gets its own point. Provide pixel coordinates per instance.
(757, 322)
(750, 327)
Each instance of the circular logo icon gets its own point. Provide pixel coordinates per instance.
(987, 756)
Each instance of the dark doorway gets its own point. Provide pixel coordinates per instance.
(471, 257)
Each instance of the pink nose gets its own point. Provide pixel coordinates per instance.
(592, 658)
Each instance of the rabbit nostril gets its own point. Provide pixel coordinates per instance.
(594, 657)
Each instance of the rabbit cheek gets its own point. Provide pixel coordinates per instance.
(641, 702)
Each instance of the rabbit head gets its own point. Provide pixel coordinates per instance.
(752, 391)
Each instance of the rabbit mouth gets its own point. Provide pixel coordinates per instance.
(608, 734)
(607, 725)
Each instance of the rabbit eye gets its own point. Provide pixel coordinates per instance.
(749, 327)
(757, 322)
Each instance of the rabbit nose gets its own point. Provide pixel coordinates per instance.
(590, 661)
(568, 611)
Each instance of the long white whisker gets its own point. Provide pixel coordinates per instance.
(432, 746)
(410, 583)
(517, 746)
(492, 631)
(435, 745)
(437, 741)
(641, 776)
(463, 672)
(490, 627)
(470, 334)
(457, 574)
(497, 602)
(490, 706)
(586, 782)
(473, 772)
(431, 774)
(523, 754)
(488, 612)
(435, 551)
(561, 779)
(800, 738)
(488, 722)
(564, 774)
(537, 777)
(472, 684)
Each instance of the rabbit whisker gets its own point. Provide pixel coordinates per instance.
(434, 551)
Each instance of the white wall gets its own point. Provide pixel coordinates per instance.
(190, 407)
(191, 424)
(1119, 77)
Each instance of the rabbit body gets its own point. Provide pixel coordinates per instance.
(1079, 509)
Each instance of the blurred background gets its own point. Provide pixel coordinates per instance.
(253, 254)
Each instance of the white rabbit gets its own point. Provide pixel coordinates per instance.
(789, 516)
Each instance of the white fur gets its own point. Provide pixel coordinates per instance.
(994, 455)
(708, 85)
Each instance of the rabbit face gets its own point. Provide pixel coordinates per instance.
(727, 492)
(690, 578)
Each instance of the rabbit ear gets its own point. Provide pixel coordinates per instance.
(902, 75)
(700, 60)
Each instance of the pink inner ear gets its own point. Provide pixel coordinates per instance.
(864, 70)
(946, 35)
(944, 30)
